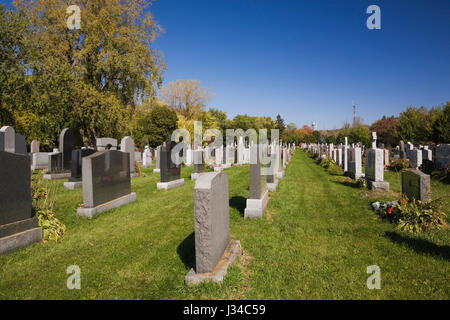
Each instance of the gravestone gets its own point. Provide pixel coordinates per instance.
(75, 179)
(198, 163)
(7, 139)
(415, 158)
(345, 155)
(39, 160)
(18, 228)
(386, 157)
(20, 145)
(127, 145)
(416, 184)
(147, 158)
(375, 170)
(106, 144)
(402, 150)
(106, 182)
(354, 164)
(158, 160)
(442, 158)
(66, 145)
(272, 170)
(214, 252)
(34, 146)
(170, 172)
(258, 193)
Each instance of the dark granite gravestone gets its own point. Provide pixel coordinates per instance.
(77, 158)
(106, 177)
(55, 163)
(416, 184)
(169, 170)
(66, 145)
(20, 144)
(198, 161)
(17, 226)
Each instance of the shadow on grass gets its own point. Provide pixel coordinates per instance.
(352, 184)
(186, 251)
(238, 203)
(420, 245)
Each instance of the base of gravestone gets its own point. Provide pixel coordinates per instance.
(280, 174)
(134, 175)
(256, 207)
(116, 203)
(378, 185)
(218, 169)
(20, 240)
(156, 170)
(226, 165)
(194, 175)
(229, 257)
(355, 176)
(170, 184)
(72, 185)
(57, 176)
(272, 186)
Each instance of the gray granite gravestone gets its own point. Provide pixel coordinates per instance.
(106, 144)
(375, 170)
(214, 251)
(198, 163)
(106, 182)
(127, 145)
(258, 194)
(354, 163)
(18, 228)
(158, 159)
(8, 137)
(416, 184)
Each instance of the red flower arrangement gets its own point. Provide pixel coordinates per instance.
(390, 210)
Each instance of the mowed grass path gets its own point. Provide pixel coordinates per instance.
(315, 241)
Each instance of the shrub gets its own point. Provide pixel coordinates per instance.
(326, 162)
(418, 216)
(399, 164)
(361, 182)
(138, 169)
(43, 199)
(336, 170)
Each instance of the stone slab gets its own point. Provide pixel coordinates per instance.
(156, 170)
(194, 175)
(72, 185)
(256, 207)
(272, 186)
(229, 257)
(280, 174)
(378, 185)
(57, 176)
(20, 240)
(116, 203)
(170, 184)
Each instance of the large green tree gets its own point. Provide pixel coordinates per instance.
(414, 125)
(93, 78)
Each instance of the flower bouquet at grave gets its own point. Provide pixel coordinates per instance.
(399, 165)
(412, 215)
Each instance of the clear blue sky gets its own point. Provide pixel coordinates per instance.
(308, 60)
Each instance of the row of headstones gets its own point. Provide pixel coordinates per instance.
(106, 184)
(415, 184)
(350, 159)
(417, 154)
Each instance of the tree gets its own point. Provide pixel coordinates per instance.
(440, 118)
(414, 125)
(386, 129)
(155, 125)
(93, 78)
(186, 97)
(360, 134)
(13, 88)
(280, 124)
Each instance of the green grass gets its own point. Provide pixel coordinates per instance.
(315, 241)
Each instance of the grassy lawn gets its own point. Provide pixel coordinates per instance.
(315, 241)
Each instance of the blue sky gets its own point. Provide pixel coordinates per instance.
(308, 60)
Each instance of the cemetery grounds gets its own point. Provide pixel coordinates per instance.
(315, 241)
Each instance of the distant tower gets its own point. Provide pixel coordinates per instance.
(354, 113)
(314, 126)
